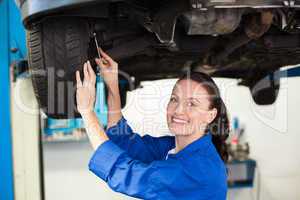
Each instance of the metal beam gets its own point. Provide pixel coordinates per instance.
(6, 172)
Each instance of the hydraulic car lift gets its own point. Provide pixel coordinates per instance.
(6, 172)
(19, 165)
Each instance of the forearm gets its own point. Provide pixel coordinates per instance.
(114, 105)
(95, 131)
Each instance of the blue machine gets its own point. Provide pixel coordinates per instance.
(13, 50)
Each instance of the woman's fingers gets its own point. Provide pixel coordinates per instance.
(98, 62)
(85, 93)
(85, 72)
(91, 72)
(78, 79)
(106, 57)
(101, 64)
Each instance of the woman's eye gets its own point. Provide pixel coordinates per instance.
(173, 99)
(190, 104)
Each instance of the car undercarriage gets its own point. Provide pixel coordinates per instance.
(246, 39)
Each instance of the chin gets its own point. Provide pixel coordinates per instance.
(180, 131)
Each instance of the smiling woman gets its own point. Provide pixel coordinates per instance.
(195, 108)
(142, 167)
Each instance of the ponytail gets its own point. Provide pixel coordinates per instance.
(219, 129)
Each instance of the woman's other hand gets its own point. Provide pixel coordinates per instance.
(86, 91)
(108, 70)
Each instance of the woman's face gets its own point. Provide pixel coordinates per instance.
(188, 111)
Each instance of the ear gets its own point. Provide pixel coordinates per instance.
(212, 115)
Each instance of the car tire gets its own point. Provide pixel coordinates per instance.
(57, 47)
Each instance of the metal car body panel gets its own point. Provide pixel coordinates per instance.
(31, 9)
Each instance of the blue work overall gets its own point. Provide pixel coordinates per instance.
(141, 166)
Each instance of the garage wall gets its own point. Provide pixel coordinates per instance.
(274, 135)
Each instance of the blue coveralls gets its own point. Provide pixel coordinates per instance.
(137, 166)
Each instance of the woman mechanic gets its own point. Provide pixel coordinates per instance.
(144, 167)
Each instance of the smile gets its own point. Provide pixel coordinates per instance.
(179, 121)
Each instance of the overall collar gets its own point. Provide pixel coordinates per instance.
(199, 144)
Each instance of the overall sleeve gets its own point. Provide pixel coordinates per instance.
(169, 179)
(122, 173)
(146, 148)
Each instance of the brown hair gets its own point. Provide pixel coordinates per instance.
(219, 127)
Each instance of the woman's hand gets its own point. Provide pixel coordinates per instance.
(108, 70)
(86, 91)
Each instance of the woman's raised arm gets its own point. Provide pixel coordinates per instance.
(85, 97)
(109, 72)
(145, 148)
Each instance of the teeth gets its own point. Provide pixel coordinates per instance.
(179, 120)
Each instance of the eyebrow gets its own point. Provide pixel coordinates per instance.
(190, 98)
(193, 98)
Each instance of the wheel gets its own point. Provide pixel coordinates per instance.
(57, 48)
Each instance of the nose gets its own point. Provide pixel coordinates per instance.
(180, 109)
